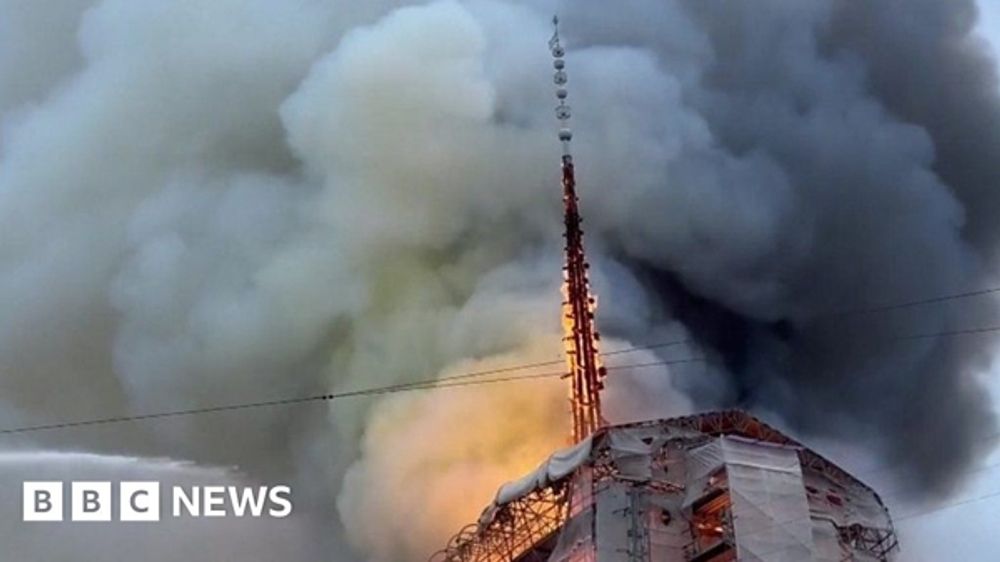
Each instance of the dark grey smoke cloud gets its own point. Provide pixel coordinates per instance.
(211, 202)
(879, 120)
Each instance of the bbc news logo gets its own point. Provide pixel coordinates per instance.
(140, 501)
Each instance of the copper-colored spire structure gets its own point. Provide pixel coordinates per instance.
(586, 373)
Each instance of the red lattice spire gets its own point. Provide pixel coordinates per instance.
(586, 374)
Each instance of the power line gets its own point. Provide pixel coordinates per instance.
(445, 382)
(918, 302)
(526, 366)
(468, 379)
(894, 466)
(635, 348)
(965, 332)
(461, 380)
(512, 368)
(900, 492)
(868, 310)
(926, 512)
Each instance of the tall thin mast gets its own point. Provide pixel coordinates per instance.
(586, 374)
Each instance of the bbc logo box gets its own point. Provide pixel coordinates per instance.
(91, 501)
(43, 501)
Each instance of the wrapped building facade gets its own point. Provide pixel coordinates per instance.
(714, 487)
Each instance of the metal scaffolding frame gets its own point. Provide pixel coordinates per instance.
(513, 530)
(528, 528)
(876, 542)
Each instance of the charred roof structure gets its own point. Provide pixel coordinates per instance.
(714, 487)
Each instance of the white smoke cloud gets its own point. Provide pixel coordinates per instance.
(44, 35)
(399, 500)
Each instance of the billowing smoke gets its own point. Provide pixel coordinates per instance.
(212, 202)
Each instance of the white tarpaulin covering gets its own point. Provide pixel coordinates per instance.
(855, 504)
(614, 523)
(770, 511)
(631, 454)
(556, 467)
(775, 513)
(827, 543)
(576, 539)
(561, 464)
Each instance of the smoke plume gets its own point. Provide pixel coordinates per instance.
(212, 202)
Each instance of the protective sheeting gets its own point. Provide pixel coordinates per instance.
(669, 534)
(845, 503)
(561, 464)
(614, 524)
(630, 452)
(633, 492)
(770, 512)
(826, 541)
(576, 540)
(637, 452)
(669, 530)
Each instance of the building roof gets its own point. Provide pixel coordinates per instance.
(565, 462)
(530, 511)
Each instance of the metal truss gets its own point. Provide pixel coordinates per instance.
(875, 542)
(513, 531)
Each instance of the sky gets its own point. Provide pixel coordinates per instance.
(990, 22)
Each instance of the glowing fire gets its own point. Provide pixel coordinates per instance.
(431, 461)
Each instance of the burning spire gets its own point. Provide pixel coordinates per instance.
(586, 373)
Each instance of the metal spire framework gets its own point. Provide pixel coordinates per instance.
(586, 373)
(617, 495)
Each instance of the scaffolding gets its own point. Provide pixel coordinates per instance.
(526, 525)
(715, 487)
